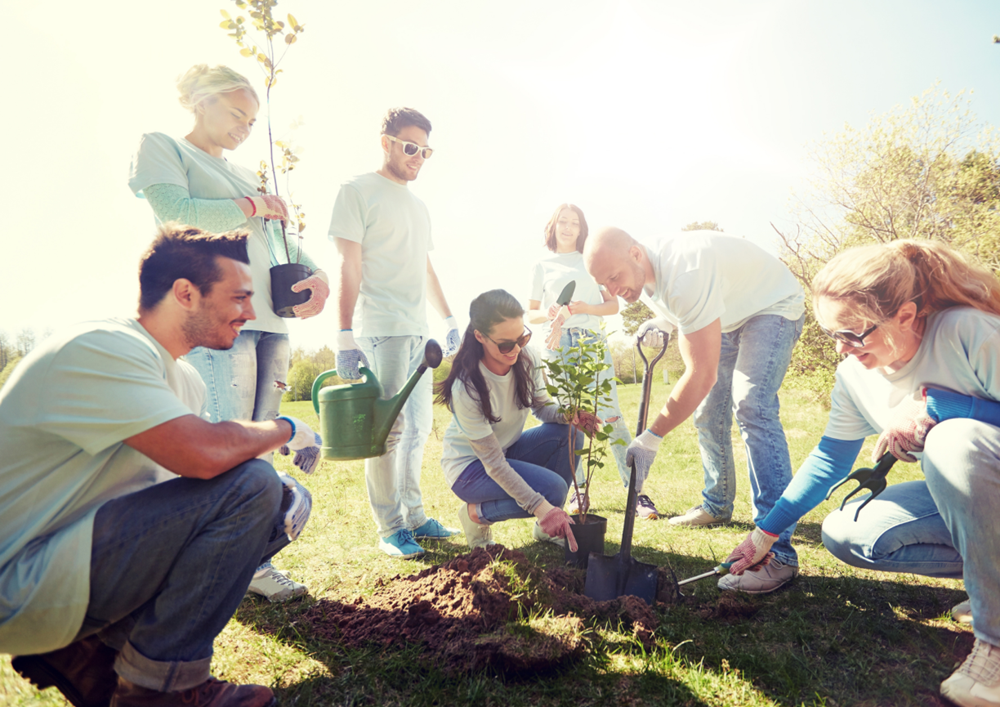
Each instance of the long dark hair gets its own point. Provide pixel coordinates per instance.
(485, 312)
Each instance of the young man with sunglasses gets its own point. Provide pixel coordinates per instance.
(383, 235)
(739, 312)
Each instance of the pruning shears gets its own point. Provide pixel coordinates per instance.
(868, 479)
(716, 571)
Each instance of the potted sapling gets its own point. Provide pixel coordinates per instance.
(288, 268)
(579, 380)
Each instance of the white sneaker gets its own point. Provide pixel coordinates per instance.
(696, 517)
(544, 537)
(962, 612)
(761, 581)
(976, 683)
(476, 535)
(274, 585)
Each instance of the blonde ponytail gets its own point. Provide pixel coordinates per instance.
(877, 280)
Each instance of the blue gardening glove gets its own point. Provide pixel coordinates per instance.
(296, 502)
(349, 356)
(452, 339)
(753, 551)
(642, 451)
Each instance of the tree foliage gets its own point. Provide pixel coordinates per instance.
(702, 226)
(634, 315)
(924, 170)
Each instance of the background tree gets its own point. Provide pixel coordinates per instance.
(702, 226)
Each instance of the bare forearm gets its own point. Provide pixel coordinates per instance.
(685, 398)
(435, 295)
(238, 440)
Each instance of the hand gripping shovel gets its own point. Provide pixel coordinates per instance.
(620, 575)
(868, 479)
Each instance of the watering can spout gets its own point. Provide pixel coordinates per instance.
(386, 411)
(354, 419)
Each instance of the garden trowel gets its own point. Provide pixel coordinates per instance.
(620, 575)
(564, 298)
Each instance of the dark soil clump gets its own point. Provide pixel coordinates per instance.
(467, 613)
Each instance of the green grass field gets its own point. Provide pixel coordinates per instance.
(836, 636)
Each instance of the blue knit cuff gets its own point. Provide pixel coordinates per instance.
(946, 405)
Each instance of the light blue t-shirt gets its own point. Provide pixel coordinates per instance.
(702, 276)
(64, 414)
(960, 351)
(163, 160)
(394, 230)
(552, 274)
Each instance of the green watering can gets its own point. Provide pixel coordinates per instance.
(354, 419)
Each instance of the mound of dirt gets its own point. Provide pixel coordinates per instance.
(464, 613)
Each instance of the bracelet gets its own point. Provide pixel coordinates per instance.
(252, 214)
(291, 422)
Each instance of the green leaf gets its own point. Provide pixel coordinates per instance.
(246, 52)
(289, 39)
(224, 14)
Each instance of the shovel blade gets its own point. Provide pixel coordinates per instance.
(608, 579)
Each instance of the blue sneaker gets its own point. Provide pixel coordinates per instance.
(432, 530)
(400, 544)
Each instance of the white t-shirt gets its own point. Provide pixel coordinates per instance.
(394, 230)
(469, 423)
(553, 273)
(64, 414)
(163, 160)
(960, 351)
(702, 276)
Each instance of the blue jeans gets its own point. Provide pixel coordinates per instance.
(241, 380)
(393, 479)
(944, 526)
(170, 564)
(609, 412)
(540, 456)
(752, 365)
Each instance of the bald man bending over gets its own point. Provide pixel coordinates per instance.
(739, 312)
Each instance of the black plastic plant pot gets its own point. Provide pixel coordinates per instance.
(282, 279)
(589, 538)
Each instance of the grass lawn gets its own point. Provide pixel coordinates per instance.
(836, 636)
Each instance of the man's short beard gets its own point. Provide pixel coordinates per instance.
(197, 332)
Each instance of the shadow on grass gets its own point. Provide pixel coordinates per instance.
(823, 639)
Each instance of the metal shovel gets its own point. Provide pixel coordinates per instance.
(620, 575)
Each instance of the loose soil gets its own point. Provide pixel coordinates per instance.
(491, 607)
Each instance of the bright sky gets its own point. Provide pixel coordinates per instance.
(649, 114)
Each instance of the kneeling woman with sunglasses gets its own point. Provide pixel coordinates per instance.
(499, 469)
(920, 325)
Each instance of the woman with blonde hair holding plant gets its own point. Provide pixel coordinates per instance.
(190, 181)
(919, 324)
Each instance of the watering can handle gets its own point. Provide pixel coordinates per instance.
(318, 383)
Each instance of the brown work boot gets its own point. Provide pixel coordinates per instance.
(83, 672)
(212, 693)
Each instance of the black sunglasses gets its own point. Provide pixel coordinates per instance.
(505, 347)
(853, 340)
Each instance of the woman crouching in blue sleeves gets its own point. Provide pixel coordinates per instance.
(499, 469)
(919, 325)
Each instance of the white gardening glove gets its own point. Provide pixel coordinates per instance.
(302, 436)
(642, 451)
(319, 289)
(299, 504)
(906, 431)
(349, 356)
(753, 551)
(268, 206)
(305, 459)
(652, 332)
(452, 340)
